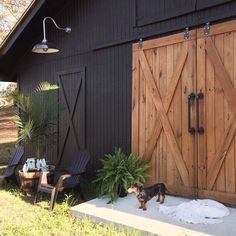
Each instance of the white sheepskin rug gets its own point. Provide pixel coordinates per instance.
(197, 211)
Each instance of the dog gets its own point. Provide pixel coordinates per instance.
(145, 194)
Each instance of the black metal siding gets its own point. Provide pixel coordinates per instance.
(101, 41)
(156, 11)
(202, 4)
(108, 86)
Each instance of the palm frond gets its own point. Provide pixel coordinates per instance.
(45, 86)
(37, 114)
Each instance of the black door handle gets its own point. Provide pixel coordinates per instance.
(200, 130)
(191, 98)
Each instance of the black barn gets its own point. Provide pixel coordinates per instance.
(97, 54)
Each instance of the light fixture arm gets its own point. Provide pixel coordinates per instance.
(67, 29)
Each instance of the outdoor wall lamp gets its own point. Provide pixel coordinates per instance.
(45, 46)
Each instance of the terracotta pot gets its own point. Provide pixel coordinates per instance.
(29, 181)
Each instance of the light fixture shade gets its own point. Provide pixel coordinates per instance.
(45, 47)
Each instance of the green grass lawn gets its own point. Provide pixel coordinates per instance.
(19, 217)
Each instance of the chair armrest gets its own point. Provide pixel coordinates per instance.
(65, 176)
(61, 179)
(43, 177)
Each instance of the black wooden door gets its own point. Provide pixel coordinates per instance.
(71, 128)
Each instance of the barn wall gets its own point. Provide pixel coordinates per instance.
(107, 120)
(101, 39)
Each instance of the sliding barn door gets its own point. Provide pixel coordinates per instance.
(180, 86)
(72, 115)
(164, 75)
(216, 80)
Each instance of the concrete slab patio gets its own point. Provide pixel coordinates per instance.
(125, 213)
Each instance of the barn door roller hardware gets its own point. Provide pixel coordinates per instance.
(186, 33)
(140, 43)
(45, 46)
(206, 28)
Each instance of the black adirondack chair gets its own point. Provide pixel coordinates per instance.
(69, 180)
(12, 165)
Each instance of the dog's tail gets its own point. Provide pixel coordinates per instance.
(166, 189)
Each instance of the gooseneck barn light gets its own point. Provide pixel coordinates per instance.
(45, 46)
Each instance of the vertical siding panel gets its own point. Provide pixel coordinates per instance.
(229, 160)
(149, 113)
(219, 118)
(170, 162)
(163, 89)
(157, 149)
(135, 104)
(234, 88)
(185, 89)
(142, 113)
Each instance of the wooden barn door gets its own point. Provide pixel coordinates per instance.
(164, 75)
(216, 79)
(72, 117)
(182, 84)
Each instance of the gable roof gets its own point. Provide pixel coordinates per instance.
(24, 36)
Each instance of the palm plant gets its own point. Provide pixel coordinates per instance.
(37, 115)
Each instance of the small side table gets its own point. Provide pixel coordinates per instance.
(29, 180)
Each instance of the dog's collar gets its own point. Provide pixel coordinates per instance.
(142, 194)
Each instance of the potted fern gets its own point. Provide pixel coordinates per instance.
(119, 172)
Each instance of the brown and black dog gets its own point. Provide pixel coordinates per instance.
(145, 194)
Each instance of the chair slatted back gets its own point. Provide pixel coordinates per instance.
(14, 161)
(79, 164)
(16, 156)
(77, 167)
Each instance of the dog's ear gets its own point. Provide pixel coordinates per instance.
(140, 186)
